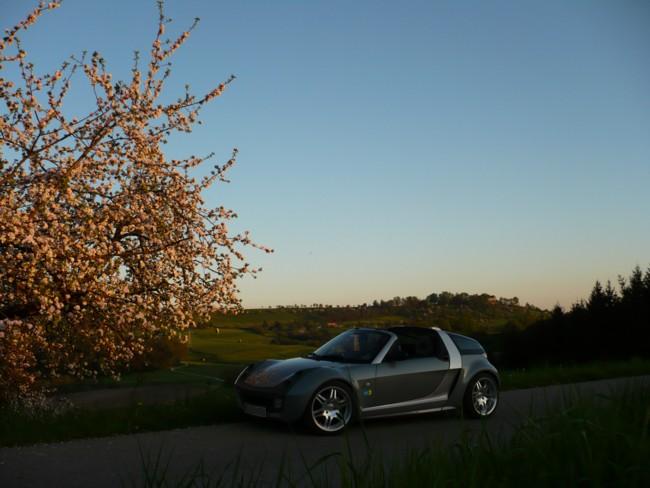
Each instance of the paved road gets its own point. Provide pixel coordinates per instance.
(118, 461)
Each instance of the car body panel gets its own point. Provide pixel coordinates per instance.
(403, 382)
(272, 372)
(472, 365)
(382, 387)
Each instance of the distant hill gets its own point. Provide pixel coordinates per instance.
(453, 311)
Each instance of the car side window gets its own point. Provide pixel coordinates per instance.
(440, 349)
(467, 345)
(417, 344)
(395, 353)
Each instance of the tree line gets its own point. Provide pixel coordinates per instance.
(612, 323)
(461, 312)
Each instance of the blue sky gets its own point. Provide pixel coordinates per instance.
(402, 148)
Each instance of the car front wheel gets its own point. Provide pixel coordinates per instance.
(481, 396)
(330, 409)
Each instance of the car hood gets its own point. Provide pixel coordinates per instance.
(273, 372)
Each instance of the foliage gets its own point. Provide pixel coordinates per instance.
(105, 244)
(588, 442)
(218, 405)
(317, 323)
(187, 374)
(609, 325)
(558, 374)
(163, 352)
(19, 428)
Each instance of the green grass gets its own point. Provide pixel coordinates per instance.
(602, 442)
(215, 406)
(239, 346)
(218, 405)
(221, 356)
(242, 346)
(573, 373)
(188, 373)
(587, 443)
(254, 317)
(373, 321)
(211, 355)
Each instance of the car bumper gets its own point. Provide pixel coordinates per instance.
(270, 403)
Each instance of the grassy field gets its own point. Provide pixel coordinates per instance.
(188, 373)
(238, 345)
(252, 317)
(572, 373)
(242, 346)
(213, 357)
(255, 317)
(214, 360)
(586, 443)
(462, 311)
(217, 405)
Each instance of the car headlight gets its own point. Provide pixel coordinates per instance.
(293, 378)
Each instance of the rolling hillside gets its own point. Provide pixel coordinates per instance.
(299, 325)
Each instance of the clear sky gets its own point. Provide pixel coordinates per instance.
(403, 148)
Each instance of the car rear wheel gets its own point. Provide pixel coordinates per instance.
(481, 396)
(330, 409)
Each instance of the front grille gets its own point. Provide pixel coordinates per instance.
(257, 398)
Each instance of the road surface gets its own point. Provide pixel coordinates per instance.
(119, 460)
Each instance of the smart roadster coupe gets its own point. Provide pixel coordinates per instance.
(368, 373)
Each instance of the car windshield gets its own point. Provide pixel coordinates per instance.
(352, 346)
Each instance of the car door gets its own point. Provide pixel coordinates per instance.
(410, 375)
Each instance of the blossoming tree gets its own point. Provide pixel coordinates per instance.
(105, 243)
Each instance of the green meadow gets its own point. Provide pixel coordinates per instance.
(585, 442)
(213, 361)
(238, 345)
(212, 353)
(214, 356)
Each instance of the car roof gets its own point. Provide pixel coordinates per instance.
(396, 329)
(408, 328)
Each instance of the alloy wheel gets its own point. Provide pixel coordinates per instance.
(484, 396)
(331, 408)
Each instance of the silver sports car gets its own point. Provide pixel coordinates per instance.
(373, 373)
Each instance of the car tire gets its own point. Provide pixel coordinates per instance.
(331, 409)
(481, 396)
